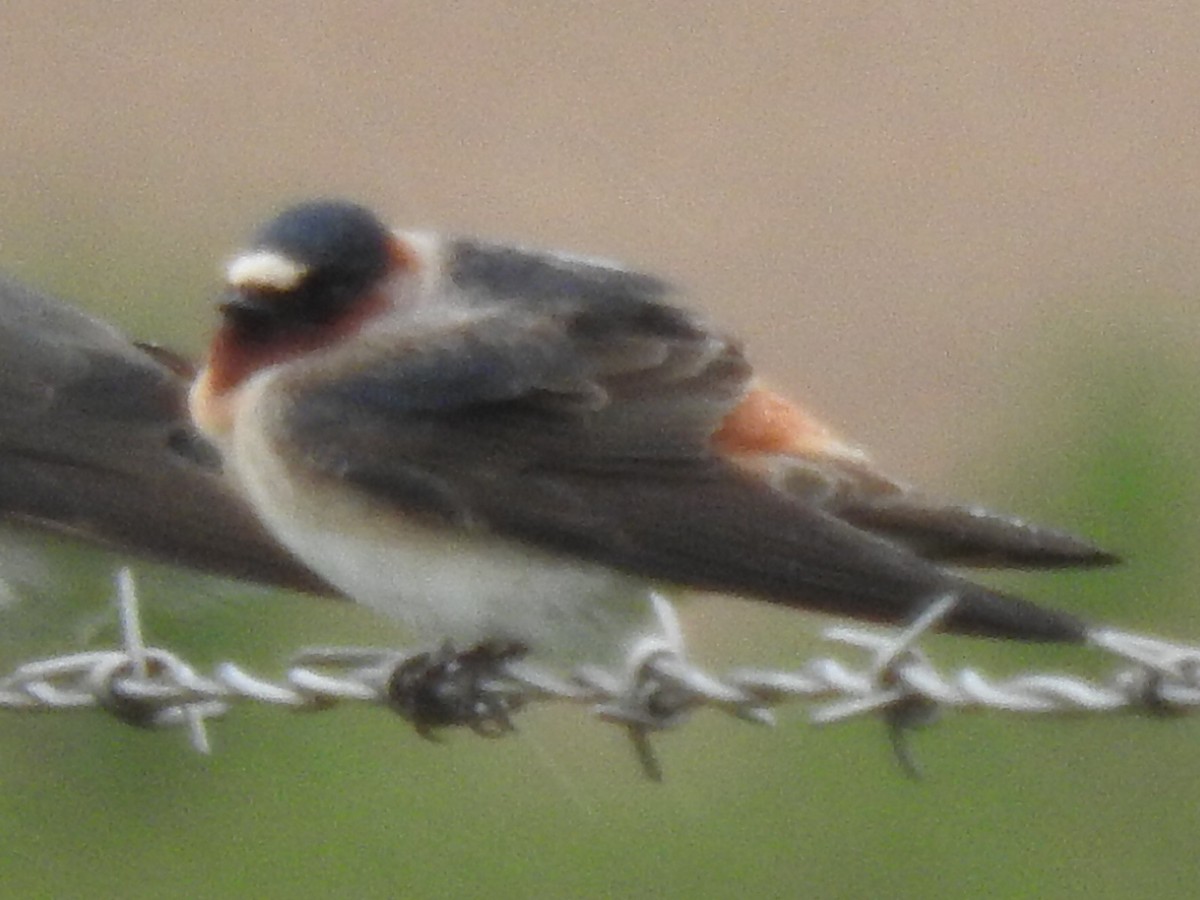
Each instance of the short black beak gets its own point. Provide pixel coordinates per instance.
(249, 313)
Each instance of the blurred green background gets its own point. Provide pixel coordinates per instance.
(965, 233)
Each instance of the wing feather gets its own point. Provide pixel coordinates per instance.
(586, 428)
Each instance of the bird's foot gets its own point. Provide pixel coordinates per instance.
(449, 687)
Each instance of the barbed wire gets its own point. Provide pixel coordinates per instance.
(656, 688)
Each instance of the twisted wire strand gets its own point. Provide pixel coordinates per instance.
(657, 687)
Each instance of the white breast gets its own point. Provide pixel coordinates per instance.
(465, 586)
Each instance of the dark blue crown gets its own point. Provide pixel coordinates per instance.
(343, 245)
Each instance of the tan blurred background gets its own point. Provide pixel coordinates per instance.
(949, 226)
(887, 200)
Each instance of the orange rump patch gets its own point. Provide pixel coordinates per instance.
(765, 423)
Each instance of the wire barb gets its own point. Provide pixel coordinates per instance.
(482, 688)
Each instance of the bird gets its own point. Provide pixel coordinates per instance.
(495, 443)
(94, 433)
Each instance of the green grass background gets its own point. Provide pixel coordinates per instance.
(351, 803)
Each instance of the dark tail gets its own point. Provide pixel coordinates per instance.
(971, 535)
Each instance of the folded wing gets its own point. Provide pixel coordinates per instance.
(587, 428)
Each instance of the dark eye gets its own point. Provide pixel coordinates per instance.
(255, 318)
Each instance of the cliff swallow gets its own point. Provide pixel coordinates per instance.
(94, 434)
(494, 443)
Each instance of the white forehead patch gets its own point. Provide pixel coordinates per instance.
(264, 270)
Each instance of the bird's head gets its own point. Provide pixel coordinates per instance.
(311, 277)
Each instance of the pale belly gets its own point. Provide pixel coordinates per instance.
(444, 583)
(468, 588)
